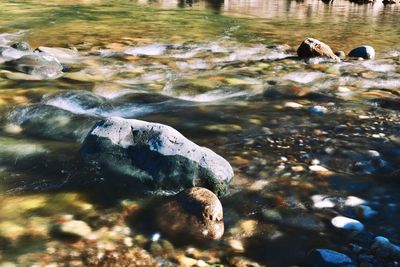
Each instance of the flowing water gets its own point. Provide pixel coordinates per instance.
(299, 135)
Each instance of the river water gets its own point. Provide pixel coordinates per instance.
(308, 141)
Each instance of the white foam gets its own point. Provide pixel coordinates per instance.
(148, 50)
(378, 67)
(303, 77)
(389, 83)
(8, 38)
(69, 105)
(213, 96)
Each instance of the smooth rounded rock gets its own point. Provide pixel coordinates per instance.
(365, 52)
(43, 66)
(154, 155)
(329, 258)
(347, 223)
(64, 55)
(195, 213)
(74, 228)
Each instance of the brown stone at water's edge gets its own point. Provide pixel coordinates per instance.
(311, 47)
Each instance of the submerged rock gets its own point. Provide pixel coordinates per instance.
(22, 46)
(311, 47)
(73, 228)
(385, 249)
(365, 52)
(329, 258)
(39, 65)
(51, 122)
(64, 55)
(76, 101)
(8, 53)
(155, 155)
(195, 213)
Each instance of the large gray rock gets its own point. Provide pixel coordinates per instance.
(311, 47)
(155, 155)
(329, 258)
(39, 65)
(365, 52)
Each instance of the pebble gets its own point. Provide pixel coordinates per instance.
(367, 212)
(236, 245)
(74, 228)
(347, 223)
(318, 168)
(329, 258)
(297, 168)
(322, 201)
(373, 153)
(243, 262)
(352, 201)
(318, 110)
(293, 105)
(385, 249)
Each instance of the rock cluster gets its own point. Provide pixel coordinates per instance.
(311, 48)
(39, 64)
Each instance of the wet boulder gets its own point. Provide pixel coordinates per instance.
(365, 52)
(329, 258)
(40, 65)
(21, 46)
(195, 213)
(311, 47)
(155, 155)
(64, 55)
(8, 53)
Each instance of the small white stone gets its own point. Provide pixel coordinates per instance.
(315, 162)
(293, 105)
(352, 201)
(155, 237)
(318, 109)
(236, 245)
(128, 241)
(318, 168)
(322, 201)
(373, 153)
(347, 223)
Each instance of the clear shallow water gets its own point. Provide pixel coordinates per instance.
(218, 74)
